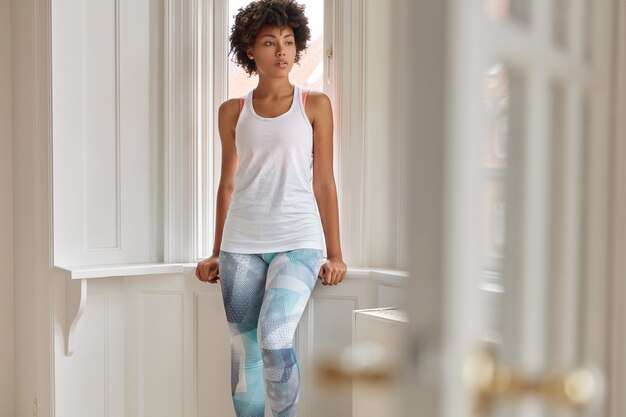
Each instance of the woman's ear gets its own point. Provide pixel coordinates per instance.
(250, 53)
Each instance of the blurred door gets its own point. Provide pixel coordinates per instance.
(510, 234)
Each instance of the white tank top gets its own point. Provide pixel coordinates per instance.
(273, 208)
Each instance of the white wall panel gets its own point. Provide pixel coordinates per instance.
(161, 354)
(383, 139)
(154, 346)
(108, 130)
(212, 355)
(91, 381)
(98, 128)
(90, 357)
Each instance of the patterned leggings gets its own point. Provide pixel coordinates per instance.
(264, 297)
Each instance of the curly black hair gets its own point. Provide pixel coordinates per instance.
(250, 19)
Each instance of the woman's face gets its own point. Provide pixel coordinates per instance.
(274, 51)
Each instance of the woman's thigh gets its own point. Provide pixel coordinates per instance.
(242, 280)
(291, 277)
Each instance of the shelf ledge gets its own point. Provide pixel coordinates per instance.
(156, 268)
(122, 270)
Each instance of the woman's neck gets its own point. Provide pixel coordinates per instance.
(273, 88)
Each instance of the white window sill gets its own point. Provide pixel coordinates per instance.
(125, 270)
(122, 270)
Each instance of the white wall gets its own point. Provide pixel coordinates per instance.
(385, 149)
(111, 353)
(6, 216)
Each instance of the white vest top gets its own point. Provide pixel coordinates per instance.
(273, 208)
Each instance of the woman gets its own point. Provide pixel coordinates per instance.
(271, 224)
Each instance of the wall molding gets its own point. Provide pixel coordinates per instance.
(180, 133)
(616, 364)
(44, 307)
(349, 73)
(401, 154)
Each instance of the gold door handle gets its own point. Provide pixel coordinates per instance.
(580, 387)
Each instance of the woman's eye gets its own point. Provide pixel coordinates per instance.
(289, 43)
(269, 43)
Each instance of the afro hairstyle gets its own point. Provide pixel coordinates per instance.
(250, 19)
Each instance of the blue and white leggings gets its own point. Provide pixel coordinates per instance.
(264, 297)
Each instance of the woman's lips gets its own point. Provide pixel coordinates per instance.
(281, 64)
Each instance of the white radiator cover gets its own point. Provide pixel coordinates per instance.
(387, 328)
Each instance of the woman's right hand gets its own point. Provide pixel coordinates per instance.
(208, 270)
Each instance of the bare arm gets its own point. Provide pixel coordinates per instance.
(227, 119)
(324, 186)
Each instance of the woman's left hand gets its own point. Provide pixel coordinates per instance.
(333, 271)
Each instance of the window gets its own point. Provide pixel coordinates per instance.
(307, 73)
(219, 79)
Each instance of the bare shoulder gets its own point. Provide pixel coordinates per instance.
(318, 105)
(229, 113)
(230, 107)
(318, 99)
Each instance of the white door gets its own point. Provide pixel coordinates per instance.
(510, 206)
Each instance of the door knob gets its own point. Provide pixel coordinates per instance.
(580, 387)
